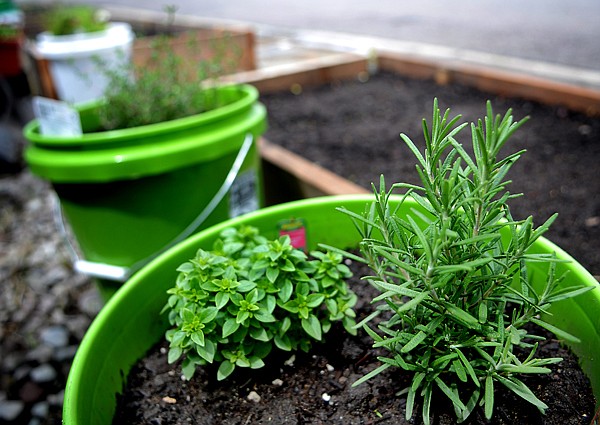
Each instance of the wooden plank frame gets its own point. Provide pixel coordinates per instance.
(289, 176)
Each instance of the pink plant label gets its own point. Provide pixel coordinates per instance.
(296, 230)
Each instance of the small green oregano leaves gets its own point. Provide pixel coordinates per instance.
(453, 279)
(232, 305)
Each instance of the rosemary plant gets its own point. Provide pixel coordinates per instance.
(453, 279)
(232, 305)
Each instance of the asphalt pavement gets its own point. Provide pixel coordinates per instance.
(557, 32)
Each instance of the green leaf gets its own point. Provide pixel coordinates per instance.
(332, 306)
(288, 266)
(409, 305)
(198, 337)
(489, 397)
(371, 374)
(225, 369)
(208, 314)
(312, 326)
(177, 338)
(188, 368)
(412, 391)
(245, 286)
(459, 369)
(513, 368)
(264, 317)
(556, 331)
(242, 316)
(187, 315)
(462, 316)
(414, 342)
(259, 334)
(208, 351)
(221, 299)
(256, 363)
(483, 313)
(566, 293)
(467, 366)
(230, 326)
(283, 342)
(286, 291)
(272, 274)
(314, 300)
(396, 289)
(186, 267)
(291, 306)
(427, 404)
(520, 389)
(242, 362)
(450, 394)
(174, 354)
(284, 325)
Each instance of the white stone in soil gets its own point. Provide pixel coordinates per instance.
(254, 397)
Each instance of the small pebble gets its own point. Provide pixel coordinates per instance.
(21, 372)
(169, 400)
(326, 397)
(90, 302)
(56, 399)
(329, 368)
(10, 409)
(592, 221)
(40, 409)
(290, 361)
(42, 353)
(55, 336)
(277, 382)
(253, 396)
(43, 373)
(65, 353)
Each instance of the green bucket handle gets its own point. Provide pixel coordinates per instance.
(121, 273)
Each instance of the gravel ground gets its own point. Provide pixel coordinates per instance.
(45, 308)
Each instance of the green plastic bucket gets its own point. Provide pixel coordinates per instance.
(129, 194)
(130, 323)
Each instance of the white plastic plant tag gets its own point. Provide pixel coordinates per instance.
(242, 196)
(56, 118)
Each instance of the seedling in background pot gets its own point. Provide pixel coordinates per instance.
(455, 290)
(233, 304)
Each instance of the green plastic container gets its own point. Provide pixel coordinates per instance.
(130, 324)
(128, 194)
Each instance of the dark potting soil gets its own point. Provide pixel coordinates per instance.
(316, 388)
(353, 129)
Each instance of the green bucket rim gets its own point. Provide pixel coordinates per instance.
(160, 147)
(100, 139)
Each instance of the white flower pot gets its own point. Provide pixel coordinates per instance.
(74, 60)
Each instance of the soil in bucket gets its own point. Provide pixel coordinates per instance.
(315, 388)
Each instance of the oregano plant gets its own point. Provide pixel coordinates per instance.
(234, 304)
(455, 292)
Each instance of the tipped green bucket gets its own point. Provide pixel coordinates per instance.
(130, 194)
